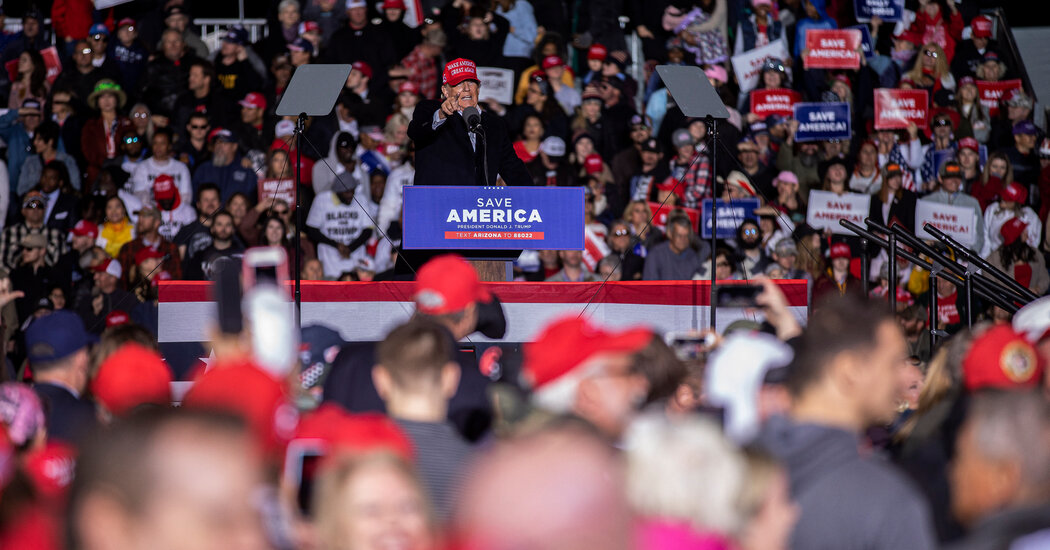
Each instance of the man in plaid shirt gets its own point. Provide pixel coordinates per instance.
(420, 65)
(33, 209)
(691, 174)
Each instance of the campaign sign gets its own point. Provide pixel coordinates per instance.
(493, 218)
(748, 65)
(496, 83)
(826, 209)
(52, 65)
(778, 101)
(820, 121)
(271, 189)
(991, 92)
(730, 215)
(661, 212)
(866, 44)
(957, 221)
(887, 10)
(895, 108)
(832, 49)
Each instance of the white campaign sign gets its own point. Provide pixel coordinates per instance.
(748, 65)
(496, 84)
(959, 222)
(825, 209)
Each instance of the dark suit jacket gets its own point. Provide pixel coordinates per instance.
(902, 210)
(445, 157)
(65, 214)
(68, 418)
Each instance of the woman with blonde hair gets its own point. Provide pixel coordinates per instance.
(371, 501)
(998, 173)
(930, 71)
(637, 215)
(975, 121)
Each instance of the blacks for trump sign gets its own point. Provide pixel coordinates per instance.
(493, 218)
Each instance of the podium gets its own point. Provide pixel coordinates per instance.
(489, 226)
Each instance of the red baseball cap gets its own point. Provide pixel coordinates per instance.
(125, 22)
(981, 27)
(568, 342)
(244, 389)
(111, 266)
(597, 51)
(50, 468)
(147, 253)
(117, 318)
(309, 26)
(1012, 230)
(839, 250)
(552, 61)
(361, 432)
(134, 375)
(969, 143)
(1014, 192)
(448, 284)
(593, 163)
(85, 228)
(393, 4)
(254, 100)
(164, 189)
(409, 87)
(458, 70)
(1001, 358)
(365, 68)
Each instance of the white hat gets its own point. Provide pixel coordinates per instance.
(1033, 320)
(356, 4)
(734, 377)
(553, 146)
(284, 128)
(1044, 148)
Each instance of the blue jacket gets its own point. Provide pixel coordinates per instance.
(824, 22)
(231, 178)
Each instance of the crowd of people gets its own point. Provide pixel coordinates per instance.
(136, 154)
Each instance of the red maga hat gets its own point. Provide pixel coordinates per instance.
(363, 432)
(448, 284)
(458, 70)
(1001, 358)
(566, 343)
(132, 376)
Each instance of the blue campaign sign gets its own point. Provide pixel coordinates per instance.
(730, 215)
(887, 10)
(865, 40)
(820, 121)
(493, 218)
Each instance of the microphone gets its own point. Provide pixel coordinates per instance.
(473, 117)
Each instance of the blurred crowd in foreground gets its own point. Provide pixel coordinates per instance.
(770, 436)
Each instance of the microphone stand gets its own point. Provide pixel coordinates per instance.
(980, 262)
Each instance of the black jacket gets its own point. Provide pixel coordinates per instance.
(445, 157)
(69, 418)
(65, 213)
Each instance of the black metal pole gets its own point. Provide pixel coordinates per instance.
(933, 309)
(712, 128)
(892, 251)
(968, 286)
(864, 279)
(299, 126)
(984, 265)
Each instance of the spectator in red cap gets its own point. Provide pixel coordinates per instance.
(152, 468)
(129, 53)
(847, 374)
(1012, 199)
(358, 40)
(1000, 486)
(574, 366)
(446, 148)
(969, 157)
(969, 54)
(404, 38)
(130, 378)
(1019, 259)
(364, 501)
(81, 240)
(416, 375)
(107, 296)
(147, 235)
(996, 175)
(838, 279)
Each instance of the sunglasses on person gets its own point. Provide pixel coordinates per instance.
(929, 53)
(140, 115)
(621, 233)
(35, 205)
(942, 122)
(130, 140)
(750, 232)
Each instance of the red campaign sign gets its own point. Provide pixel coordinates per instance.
(832, 49)
(991, 92)
(51, 62)
(660, 220)
(895, 108)
(778, 101)
(273, 188)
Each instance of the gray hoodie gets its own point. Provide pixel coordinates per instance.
(846, 501)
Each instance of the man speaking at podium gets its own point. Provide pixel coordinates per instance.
(454, 138)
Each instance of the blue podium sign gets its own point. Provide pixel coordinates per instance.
(493, 218)
(730, 215)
